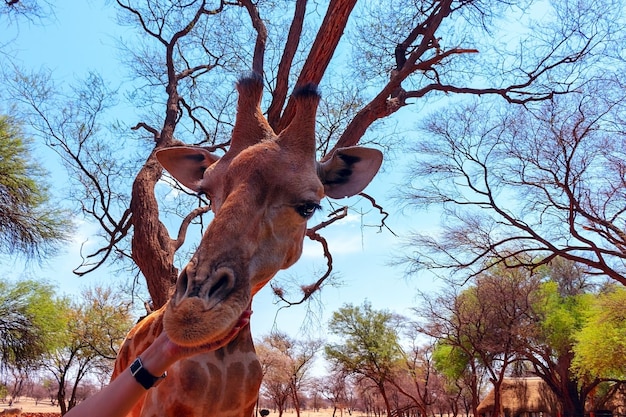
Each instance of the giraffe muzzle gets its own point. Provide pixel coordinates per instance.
(205, 307)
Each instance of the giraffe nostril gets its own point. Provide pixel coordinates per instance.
(181, 282)
(223, 281)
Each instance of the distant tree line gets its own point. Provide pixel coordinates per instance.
(56, 347)
(557, 322)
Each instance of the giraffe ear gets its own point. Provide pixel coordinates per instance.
(349, 170)
(187, 164)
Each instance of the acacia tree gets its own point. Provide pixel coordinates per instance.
(275, 386)
(484, 328)
(186, 55)
(458, 379)
(29, 221)
(415, 380)
(563, 303)
(334, 388)
(95, 328)
(370, 345)
(29, 323)
(546, 313)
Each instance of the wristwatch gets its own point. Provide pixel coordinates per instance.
(145, 378)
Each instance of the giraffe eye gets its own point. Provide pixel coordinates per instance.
(307, 209)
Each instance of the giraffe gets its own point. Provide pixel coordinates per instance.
(262, 192)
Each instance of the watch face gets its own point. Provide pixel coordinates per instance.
(145, 378)
(136, 366)
(133, 367)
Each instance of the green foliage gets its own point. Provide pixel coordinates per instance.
(450, 361)
(30, 321)
(95, 326)
(600, 346)
(102, 320)
(561, 316)
(28, 223)
(70, 339)
(370, 340)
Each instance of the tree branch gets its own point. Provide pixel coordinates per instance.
(322, 50)
(311, 233)
(279, 95)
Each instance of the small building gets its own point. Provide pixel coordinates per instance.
(522, 397)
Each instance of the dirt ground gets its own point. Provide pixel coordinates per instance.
(30, 409)
(28, 405)
(44, 409)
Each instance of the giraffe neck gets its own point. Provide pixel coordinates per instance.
(222, 383)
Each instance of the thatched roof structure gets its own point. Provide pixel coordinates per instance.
(520, 396)
(616, 403)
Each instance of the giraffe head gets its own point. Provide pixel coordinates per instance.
(262, 192)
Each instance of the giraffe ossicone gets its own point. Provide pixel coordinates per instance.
(262, 191)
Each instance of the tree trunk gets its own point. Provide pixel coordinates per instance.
(296, 399)
(152, 248)
(323, 48)
(61, 396)
(383, 393)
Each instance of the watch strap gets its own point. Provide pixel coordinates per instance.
(145, 378)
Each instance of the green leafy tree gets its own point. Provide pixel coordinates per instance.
(453, 365)
(29, 321)
(29, 325)
(560, 311)
(481, 329)
(96, 326)
(600, 345)
(370, 344)
(29, 223)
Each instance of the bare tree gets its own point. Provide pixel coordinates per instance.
(275, 386)
(186, 55)
(414, 378)
(287, 362)
(25, 9)
(520, 187)
(334, 388)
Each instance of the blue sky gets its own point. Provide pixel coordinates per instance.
(82, 38)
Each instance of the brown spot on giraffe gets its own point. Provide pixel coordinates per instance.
(262, 192)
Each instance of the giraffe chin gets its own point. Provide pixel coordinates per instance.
(189, 324)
